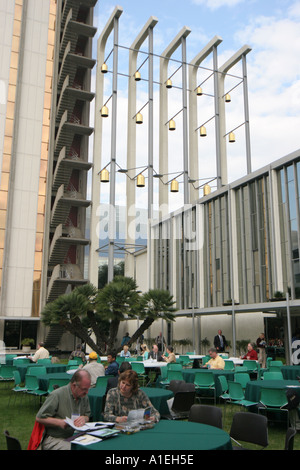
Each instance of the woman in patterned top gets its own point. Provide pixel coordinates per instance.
(126, 397)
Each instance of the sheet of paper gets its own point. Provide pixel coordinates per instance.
(87, 426)
(86, 440)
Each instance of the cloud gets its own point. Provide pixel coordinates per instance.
(215, 4)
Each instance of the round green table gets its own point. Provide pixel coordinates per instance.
(290, 372)
(50, 368)
(167, 435)
(43, 379)
(157, 396)
(253, 388)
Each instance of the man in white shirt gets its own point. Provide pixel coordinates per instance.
(41, 353)
(94, 368)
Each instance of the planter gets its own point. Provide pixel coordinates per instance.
(26, 348)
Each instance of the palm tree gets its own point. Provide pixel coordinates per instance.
(156, 304)
(69, 309)
(115, 302)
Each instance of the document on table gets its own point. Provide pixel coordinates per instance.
(86, 440)
(88, 426)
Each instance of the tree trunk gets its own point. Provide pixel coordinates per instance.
(113, 331)
(101, 339)
(75, 327)
(144, 326)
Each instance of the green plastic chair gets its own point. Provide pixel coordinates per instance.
(56, 383)
(32, 384)
(240, 369)
(101, 382)
(252, 366)
(139, 368)
(120, 359)
(174, 366)
(75, 362)
(237, 395)
(205, 381)
(185, 360)
(224, 391)
(229, 365)
(6, 373)
(172, 375)
(275, 366)
(242, 379)
(17, 387)
(37, 370)
(275, 375)
(274, 400)
(205, 359)
(44, 362)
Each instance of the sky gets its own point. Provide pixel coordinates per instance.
(271, 28)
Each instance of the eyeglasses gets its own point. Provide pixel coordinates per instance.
(82, 389)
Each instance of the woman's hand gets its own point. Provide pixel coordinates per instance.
(121, 419)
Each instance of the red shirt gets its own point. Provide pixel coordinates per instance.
(251, 355)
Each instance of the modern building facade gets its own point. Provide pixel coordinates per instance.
(46, 63)
(236, 250)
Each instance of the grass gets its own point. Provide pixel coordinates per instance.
(19, 417)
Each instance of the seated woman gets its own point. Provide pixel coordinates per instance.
(144, 351)
(125, 352)
(126, 397)
(171, 355)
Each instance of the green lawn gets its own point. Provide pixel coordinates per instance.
(18, 418)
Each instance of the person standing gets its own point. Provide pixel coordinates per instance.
(220, 342)
(261, 345)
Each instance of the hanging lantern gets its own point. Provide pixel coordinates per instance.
(137, 76)
(169, 83)
(172, 125)
(227, 98)
(139, 118)
(104, 68)
(140, 181)
(174, 186)
(206, 190)
(231, 137)
(104, 176)
(199, 91)
(104, 111)
(203, 131)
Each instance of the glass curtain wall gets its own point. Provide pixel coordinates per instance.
(216, 252)
(254, 241)
(288, 187)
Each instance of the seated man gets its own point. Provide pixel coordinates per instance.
(95, 369)
(41, 353)
(78, 353)
(155, 354)
(69, 401)
(112, 367)
(216, 361)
